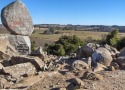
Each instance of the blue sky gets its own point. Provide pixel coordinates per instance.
(85, 12)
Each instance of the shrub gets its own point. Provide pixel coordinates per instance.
(33, 46)
(112, 38)
(121, 43)
(65, 45)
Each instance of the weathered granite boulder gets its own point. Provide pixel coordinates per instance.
(121, 62)
(79, 65)
(103, 56)
(86, 51)
(16, 18)
(12, 45)
(114, 52)
(37, 62)
(19, 70)
(122, 52)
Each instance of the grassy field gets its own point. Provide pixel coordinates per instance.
(41, 38)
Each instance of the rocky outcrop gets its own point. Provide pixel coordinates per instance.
(103, 56)
(16, 18)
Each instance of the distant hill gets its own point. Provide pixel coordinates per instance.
(102, 28)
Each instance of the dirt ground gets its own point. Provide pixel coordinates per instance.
(113, 80)
(62, 78)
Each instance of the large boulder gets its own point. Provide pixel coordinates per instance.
(19, 70)
(37, 62)
(103, 56)
(121, 62)
(12, 45)
(122, 52)
(16, 18)
(114, 52)
(86, 51)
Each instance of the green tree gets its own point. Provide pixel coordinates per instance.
(121, 43)
(112, 38)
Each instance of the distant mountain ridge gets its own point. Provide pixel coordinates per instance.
(104, 28)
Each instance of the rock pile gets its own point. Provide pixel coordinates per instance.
(15, 47)
(17, 61)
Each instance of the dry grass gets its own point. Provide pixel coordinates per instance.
(41, 38)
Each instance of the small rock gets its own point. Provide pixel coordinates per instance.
(62, 89)
(111, 68)
(5, 84)
(99, 67)
(39, 52)
(77, 83)
(79, 65)
(92, 76)
(87, 60)
(115, 65)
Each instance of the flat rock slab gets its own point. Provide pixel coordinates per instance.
(20, 69)
(15, 44)
(37, 62)
(16, 18)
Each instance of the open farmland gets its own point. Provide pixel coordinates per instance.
(41, 38)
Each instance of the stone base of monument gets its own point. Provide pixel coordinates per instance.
(15, 44)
